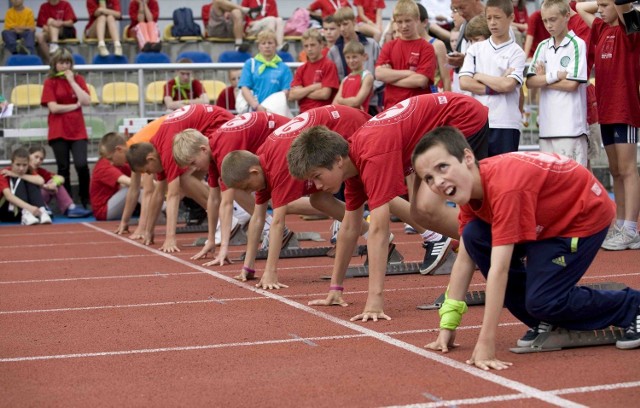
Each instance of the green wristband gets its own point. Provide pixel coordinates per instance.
(451, 313)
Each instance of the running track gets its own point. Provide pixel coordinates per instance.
(89, 318)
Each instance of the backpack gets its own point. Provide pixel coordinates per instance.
(183, 23)
(298, 23)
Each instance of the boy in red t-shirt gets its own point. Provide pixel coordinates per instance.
(617, 67)
(369, 14)
(356, 88)
(192, 149)
(156, 157)
(110, 179)
(316, 81)
(540, 207)
(267, 173)
(376, 168)
(407, 64)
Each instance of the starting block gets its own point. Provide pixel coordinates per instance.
(200, 228)
(238, 238)
(292, 248)
(477, 297)
(559, 339)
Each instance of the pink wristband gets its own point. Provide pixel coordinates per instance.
(247, 269)
(336, 287)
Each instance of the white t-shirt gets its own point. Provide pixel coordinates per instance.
(488, 58)
(563, 114)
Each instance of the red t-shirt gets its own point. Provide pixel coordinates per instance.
(61, 11)
(177, 95)
(68, 125)
(351, 85)
(104, 184)
(415, 55)
(44, 173)
(134, 7)
(4, 181)
(535, 196)
(244, 132)
(269, 9)
(282, 188)
(92, 6)
(204, 118)
(536, 29)
(617, 64)
(227, 98)
(323, 71)
(328, 7)
(381, 150)
(520, 16)
(370, 8)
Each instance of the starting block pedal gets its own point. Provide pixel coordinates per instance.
(395, 264)
(559, 339)
(291, 247)
(238, 238)
(200, 228)
(477, 297)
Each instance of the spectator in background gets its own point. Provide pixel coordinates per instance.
(265, 19)
(536, 32)
(330, 34)
(53, 186)
(316, 81)
(64, 94)
(111, 178)
(356, 88)
(144, 17)
(369, 17)
(226, 20)
(520, 15)
(19, 29)
(102, 21)
(227, 98)
(443, 77)
(184, 89)
(324, 8)
(56, 18)
(263, 76)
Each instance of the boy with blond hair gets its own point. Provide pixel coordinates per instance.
(192, 149)
(492, 71)
(559, 70)
(316, 81)
(110, 179)
(356, 88)
(407, 64)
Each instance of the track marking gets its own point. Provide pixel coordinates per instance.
(63, 244)
(437, 357)
(153, 275)
(74, 259)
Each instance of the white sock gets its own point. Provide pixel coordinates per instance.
(631, 227)
(101, 43)
(431, 236)
(620, 223)
(238, 41)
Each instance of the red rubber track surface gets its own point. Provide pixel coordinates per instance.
(88, 318)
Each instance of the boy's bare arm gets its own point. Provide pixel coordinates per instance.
(365, 90)
(347, 240)
(484, 353)
(269, 278)
(224, 209)
(321, 94)
(587, 11)
(173, 204)
(472, 85)
(298, 92)
(413, 81)
(377, 250)
(213, 204)
(129, 203)
(33, 179)
(501, 84)
(155, 205)
(389, 75)
(256, 224)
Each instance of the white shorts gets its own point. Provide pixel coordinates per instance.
(575, 148)
(268, 22)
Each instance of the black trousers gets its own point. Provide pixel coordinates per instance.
(25, 191)
(61, 149)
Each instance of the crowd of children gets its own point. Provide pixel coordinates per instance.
(379, 127)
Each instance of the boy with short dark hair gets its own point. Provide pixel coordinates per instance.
(356, 88)
(568, 214)
(110, 179)
(492, 71)
(316, 81)
(267, 173)
(192, 149)
(156, 157)
(407, 65)
(375, 165)
(477, 30)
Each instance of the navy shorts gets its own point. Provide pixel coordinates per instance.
(618, 133)
(503, 141)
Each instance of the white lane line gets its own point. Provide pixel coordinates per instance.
(434, 356)
(152, 275)
(511, 397)
(54, 244)
(73, 259)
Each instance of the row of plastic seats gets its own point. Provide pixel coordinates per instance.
(113, 93)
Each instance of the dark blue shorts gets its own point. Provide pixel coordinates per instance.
(503, 141)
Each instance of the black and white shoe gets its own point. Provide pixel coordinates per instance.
(531, 334)
(436, 253)
(631, 337)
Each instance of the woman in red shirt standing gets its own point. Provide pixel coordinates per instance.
(64, 94)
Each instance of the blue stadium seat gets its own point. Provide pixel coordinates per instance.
(195, 56)
(78, 59)
(110, 59)
(152, 58)
(21, 60)
(286, 57)
(233, 56)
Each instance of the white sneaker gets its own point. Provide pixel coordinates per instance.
(623, 240)
(44, 216)
(29, 219)
(53, 47)
(102, 50)
(117, 50)
(612, 232)
(234, 223)
(239, 213)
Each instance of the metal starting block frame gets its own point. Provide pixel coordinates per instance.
(477, 297)
(185, 229)
(293, 249)
(559, 339)
(238, 238)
